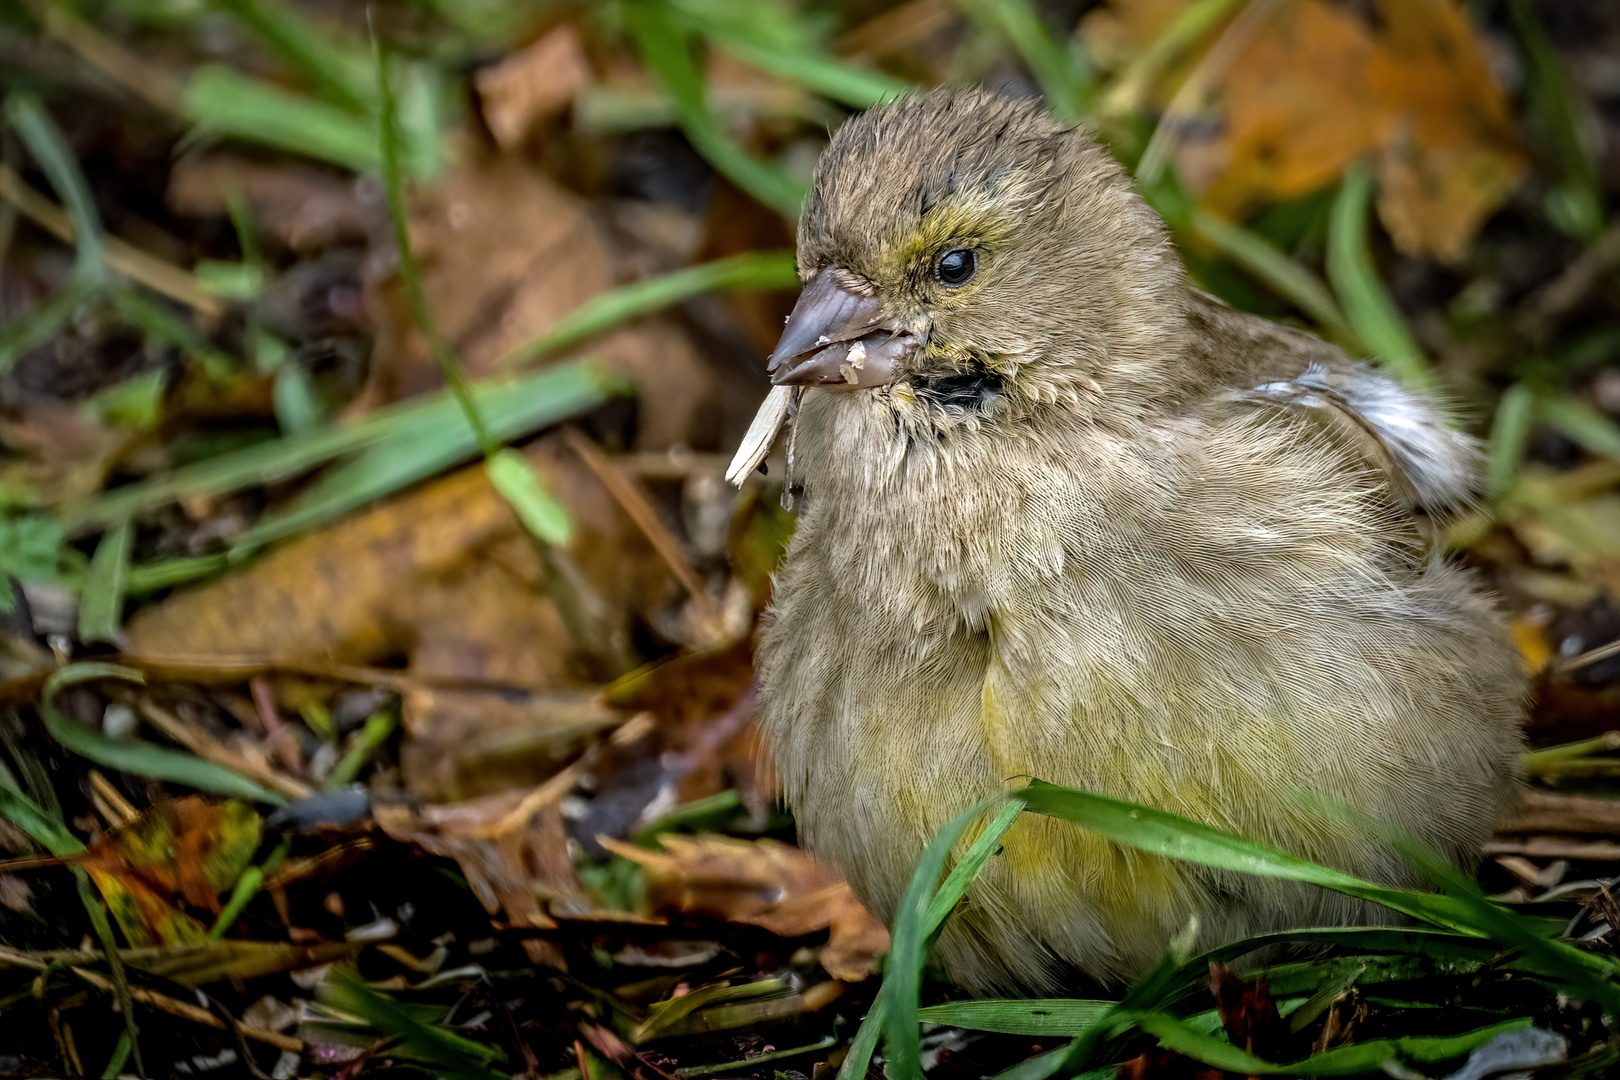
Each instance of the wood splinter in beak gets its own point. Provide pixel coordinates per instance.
(756, 444)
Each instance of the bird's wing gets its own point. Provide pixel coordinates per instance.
(1431, 467)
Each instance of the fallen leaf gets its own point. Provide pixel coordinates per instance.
(763, 883)
(61, 457)
(442, 560)
(305, 208)
(505, 253)
(532, 84)
(1315, 87)
(180, 853)
(511, 847)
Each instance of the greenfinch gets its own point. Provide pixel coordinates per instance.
(1063, 515)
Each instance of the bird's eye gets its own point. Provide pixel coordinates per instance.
(956, 267)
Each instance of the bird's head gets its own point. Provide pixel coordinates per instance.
(961, 249)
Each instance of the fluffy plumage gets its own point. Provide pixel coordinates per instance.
(1098, 528)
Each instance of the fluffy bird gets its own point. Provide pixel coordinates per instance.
(1063, 515)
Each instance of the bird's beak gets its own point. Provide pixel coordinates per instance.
(837, 337)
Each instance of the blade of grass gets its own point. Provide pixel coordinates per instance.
(220, 102)
(101, 603)
(1062, 69)
(378, 729)
(1572, 416)
(167, 573)
(753, 270)
(1596, 977)
(27, 333)
(1287, 276)
(1373, 315)
(1037, 1016)
(1357, 1060)
(1510, 434)
(922, 915)
(516, 408)
(776, 38)
(457, 1056)
(51, 152)
(1160, 833)
(666, 50)
(1576, 204)
(536, 507)
(340, 74)
(54, 837)
(139, 758)
(1128, 92)
(151, 319)
(410, 274)
(247, 887)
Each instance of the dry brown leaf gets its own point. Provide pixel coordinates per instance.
(512, 848)
(532, 85)
(465, 743)
(303, 207)
(505, 254)
(445, 577)
(180, 853)
(61, 457)
(391, 579)
(763, 883)
(1316, 87)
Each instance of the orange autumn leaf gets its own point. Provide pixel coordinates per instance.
(179, 854)
(763, 883)
(1312, 87)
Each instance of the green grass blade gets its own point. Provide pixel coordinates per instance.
(221, 102)
(526, 493)
(410, 275)
(753, 270)
(341, 74)
(922, 914)
(1510, 434)
(1128, 91)
(28, 332)
(1372, 314)
(155, 321)
(167, 573)
(51, 152)
(1062, 69)
(1357, 1060)
(1039, 1016)
(131, 756)
(666, 49)
(43, 829)
(1287, 276)
(101, 605)
(411, 453)
(1575, 205)
(514, 408)
(775, 38)
(1575, 418)
(1168, 835)
(452, 1055)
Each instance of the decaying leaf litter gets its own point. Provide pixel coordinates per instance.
(330, 748)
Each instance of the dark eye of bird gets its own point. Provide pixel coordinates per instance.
(956, 267)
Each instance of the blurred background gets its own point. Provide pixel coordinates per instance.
(375, 619)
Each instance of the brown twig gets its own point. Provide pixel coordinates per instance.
(636, 506)
(281, 736)
(109, 801)
(146, 81)
(207, 747)
(129, 260)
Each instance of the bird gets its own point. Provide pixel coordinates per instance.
(1063, 515)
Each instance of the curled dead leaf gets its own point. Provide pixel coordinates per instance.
(763, 883)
